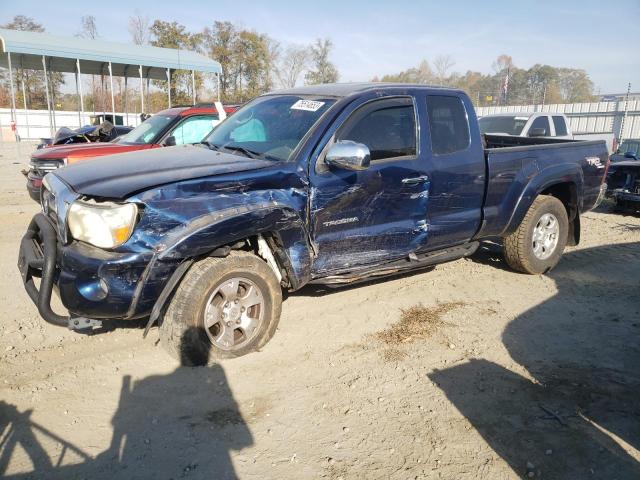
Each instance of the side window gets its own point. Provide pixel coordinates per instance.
(561, 127)
(448, 124)
(193, 129)
(387, 127)
(543, 123)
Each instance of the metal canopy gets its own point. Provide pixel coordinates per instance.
(94, 56)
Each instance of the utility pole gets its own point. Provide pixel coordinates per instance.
(626, 109)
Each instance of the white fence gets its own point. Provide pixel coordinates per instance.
(599, 117)
(34, 124)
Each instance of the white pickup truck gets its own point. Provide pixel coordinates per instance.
(539, 124)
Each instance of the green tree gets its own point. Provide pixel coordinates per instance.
(323, 70)
(173, 35)
(247, 59)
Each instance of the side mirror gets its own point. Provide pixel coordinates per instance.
(348, 155)
(538, 132)
(631, 154)
(170, 141)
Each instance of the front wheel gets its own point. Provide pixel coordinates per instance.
(537, 244)
(223, 308)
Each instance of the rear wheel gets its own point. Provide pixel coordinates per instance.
(223, 308)
(537, 245)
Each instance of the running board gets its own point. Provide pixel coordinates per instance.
(414, 261)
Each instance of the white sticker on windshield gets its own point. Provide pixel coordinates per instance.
(522, 118)
(308, 105)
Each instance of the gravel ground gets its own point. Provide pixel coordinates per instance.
(469, 371)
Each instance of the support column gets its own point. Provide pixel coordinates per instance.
(78, 94)
(141, 91)
(24, 101)
(46, 88)
(169, 85)
(13, 93)
(113, 102)
(53, 101)
(193, 85)
(126, 106)
(79, 73)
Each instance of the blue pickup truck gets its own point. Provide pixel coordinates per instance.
(328, 184)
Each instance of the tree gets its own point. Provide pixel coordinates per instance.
(89, 28)
(323, 70)
(220, 42)
(24, 23)
(174, 35)
(442, 65)
(291, 64)
(247, 60)
(575, 85)
(422, 74)
(139, 29)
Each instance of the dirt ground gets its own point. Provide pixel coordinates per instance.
(469, 371)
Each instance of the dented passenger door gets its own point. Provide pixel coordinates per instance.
(375, 215)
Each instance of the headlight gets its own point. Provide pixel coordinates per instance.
(105, 225)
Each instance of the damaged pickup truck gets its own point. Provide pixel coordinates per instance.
(328, 184)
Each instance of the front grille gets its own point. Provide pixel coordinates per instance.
(49, 207)
(42, 167)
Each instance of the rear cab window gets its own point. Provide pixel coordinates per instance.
(560, 126)
(541, 123)
(448, 124)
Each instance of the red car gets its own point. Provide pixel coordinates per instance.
(174, 126)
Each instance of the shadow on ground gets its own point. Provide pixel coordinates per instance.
(183, 424)
(578, 416)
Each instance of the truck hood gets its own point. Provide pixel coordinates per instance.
(121, 175)
(84, 150)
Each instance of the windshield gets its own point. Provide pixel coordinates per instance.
(270, 126)
(147, 130)
(509, 125)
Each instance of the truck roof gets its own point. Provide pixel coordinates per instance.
(346, 89)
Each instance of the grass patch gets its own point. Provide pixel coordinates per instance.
(415, 323)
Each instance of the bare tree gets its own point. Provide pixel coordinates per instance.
(89, 28)
(291, 65)
(502, 63)
(139, 29)
(442, 64)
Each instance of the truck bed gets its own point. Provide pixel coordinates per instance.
(515, 165)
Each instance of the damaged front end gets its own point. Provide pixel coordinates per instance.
(169, 227)
(624, 185)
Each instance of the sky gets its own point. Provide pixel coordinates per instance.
(374, 38)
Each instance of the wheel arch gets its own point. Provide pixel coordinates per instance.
(562, 182)
(218, 233)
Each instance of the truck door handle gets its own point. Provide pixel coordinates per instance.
(416, 180)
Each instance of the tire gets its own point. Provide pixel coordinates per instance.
(205, 292)
(519, 247)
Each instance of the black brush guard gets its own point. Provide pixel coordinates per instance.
(37, 258)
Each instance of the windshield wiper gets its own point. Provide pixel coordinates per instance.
(245, 151)
(237, 148)
(210, 145)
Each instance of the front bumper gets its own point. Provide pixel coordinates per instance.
(625, 197)
(34, 185)
(93, 284)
